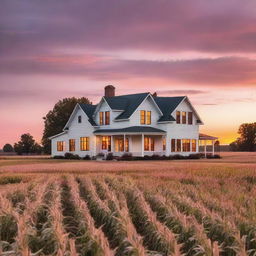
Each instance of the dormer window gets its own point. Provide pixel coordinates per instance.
(178, 117)
(184, 117)
(145, 117)
(104, 118)
(107, 118)
(148, 117)
(79, 119)
(190, 118)
(101, 118)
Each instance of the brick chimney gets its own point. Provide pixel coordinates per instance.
(109, 91)
(154, 94)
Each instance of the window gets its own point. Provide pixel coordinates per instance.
(184, 117)
(84, 143)
(60, 145)
(186, 145)
(193, 145)
(148, 117)
(190, 118)
(72, 145)
(119, 144)
(101, 118)
(142, 117)
(79, 119)
(149, 144)
(173, 145)
(107, 118)
(164, 144)
(178, 149)
(106, 143)
(126, 146)
(178, 117)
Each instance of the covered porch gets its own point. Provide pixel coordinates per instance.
(205, 141)
(139, 141)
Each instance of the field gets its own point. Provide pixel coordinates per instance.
(62, 207)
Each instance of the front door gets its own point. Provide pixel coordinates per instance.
(106, 143)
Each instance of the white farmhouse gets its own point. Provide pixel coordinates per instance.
(140, 124)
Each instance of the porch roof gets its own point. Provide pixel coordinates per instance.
(206, 137)
(131, 129)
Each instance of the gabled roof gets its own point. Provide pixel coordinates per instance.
(89, 110)
(167, 106)
(131, 129)
(127, 103)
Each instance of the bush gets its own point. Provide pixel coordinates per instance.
(210, 156)
(87, 157)
(110, 156)
(177, 157)
(72, 156)
(58, 157)
(126, 157)
(194, 156)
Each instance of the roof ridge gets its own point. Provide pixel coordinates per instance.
(127, 95)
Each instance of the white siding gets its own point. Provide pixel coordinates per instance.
(77, 130)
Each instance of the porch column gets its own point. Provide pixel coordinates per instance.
(142, 144)
(112, 144)
(213, 144)
(124, 142)
(205, 150)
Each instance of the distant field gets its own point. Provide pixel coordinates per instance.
(196, 207)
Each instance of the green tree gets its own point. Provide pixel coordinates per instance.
(8, 148)
(56, 119)
(247, 139)
(26, 145)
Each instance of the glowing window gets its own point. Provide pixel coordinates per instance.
(142, 117)
(184, 117)
(107, 118)
(178, 117)
(148, 117)
(60, 145)
(101, 118)
(190, 118)
(84, 143)
(72, 145)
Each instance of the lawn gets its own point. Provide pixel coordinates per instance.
(183, 207)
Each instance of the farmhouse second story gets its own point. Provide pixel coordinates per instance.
(143, 109)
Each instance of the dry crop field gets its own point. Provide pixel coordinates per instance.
(196, 207)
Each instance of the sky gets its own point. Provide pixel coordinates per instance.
(53, 49)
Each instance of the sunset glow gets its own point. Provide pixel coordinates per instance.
(54, 49)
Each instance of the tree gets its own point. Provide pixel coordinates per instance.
(247, 139)
(56, 119)
(8, 148)
(27, 145)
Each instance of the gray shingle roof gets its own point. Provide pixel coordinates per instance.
(131, 129)
(167, 106)
(127, 103)
(89, 110)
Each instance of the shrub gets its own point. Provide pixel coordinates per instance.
(86, 157)
(110, 156)
(156, 157)
(71, 156)
(177, 157)
(126, 157)
(58, 157)
(210, 156)
(194, 156)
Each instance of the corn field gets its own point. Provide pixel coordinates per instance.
(133, 215)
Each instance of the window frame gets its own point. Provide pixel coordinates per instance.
(149, 143)
(79, 119)
(107, 117)
(101, 118)
(178, 145)
(84, 144)
(60, 146)
(193, 145)
(184, 117)
(106, 143)
(178, 117)
(190, 118)
(148, 117)
(142, 117)
(72, 145)
(173, 145)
